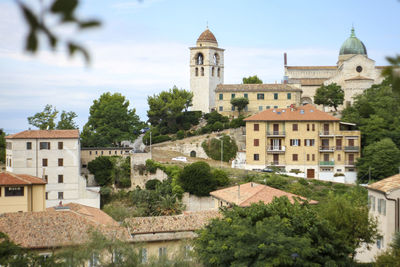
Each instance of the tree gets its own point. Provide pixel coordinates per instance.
(110, 122)
(240, 103)
(381, 159)
(390, 257)
(331, 95)
(45, 119)
(252, 80)
(277, 234)
(101, 167)
(2, 146)
(212, 147)
(197, 179)
(66, 121)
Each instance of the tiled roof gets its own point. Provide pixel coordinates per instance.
(359, 77)
(8, 178)
(256, 88)
(177, 223)
(309, 81)
(45, 134)
(90, 213)
(207, 36)
(312, 67)
(303, 113)
(252, 193)
(386, 185)
(49, 229)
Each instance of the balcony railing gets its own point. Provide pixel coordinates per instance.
(276, 149)
(326, 148)
(351, 148)
(276, 163)
(326, 163)
(350, 163)
(275, 133)
(327, 133)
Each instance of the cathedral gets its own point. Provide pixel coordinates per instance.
(354, 72)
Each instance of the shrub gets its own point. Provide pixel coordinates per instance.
(338, 174)
(197, 179)
(213, 148)
(160, 139)
(220, 176)
(151, 166)
(238, 122)
(117, 212)
(180, 134)
(101, 168)
(217, 126)
(277, 181)
(152, 184)
(303, 181)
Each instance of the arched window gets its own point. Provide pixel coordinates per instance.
(219, 72)
(216, 59)
(202, 71)
(199, 59)
(197, 72)
(193, 154)
(212, 71)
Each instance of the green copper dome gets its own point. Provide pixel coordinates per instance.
(353, 46)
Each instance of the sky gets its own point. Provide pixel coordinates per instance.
(142, 47)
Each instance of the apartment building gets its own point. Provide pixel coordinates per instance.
(303, 140)
(261, 97)
(53, 155)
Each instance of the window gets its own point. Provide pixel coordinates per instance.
(60, 145)
(44, 162)
(60, 162)
(260, 108)
(60, 195)
(14, 191)
(267, 107)
(94, 260)
(221, 108)
(46, 178)
(313, 157)
(295, 127)
(260, 96)
(219, 72)
(202, 71)
(309, 142)
(308, 127)
(196, 72)
(8, 145)
(275, 96)
(275, 106)
(233, 108)
(115, 152)
(90, 152)
(44, 145)
(96, 152)
(60, 178)
(256, 127)
(256, 157)
(47, 195)
(162, 252)
(221, 96)
(102, 152)
(313, 127)
(379, 243)
(212, 71)
(199, 59)
(246, 108)
(143, 253)
(371, 203)
(339, 157)
(294, 142)
(308, 157)
(28, 145)
(232, 96)
(246, 96)
(295, 157)
(382, 206)
(256, 142)
(289, 96)
(109, 152)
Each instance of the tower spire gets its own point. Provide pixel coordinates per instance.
(352, 32)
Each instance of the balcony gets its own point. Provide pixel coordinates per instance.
(351, 148)
(326, 163)
(326, 149)
(276, 149)
(276, 133)
(276, 164)
(350, 164)
(327, 134)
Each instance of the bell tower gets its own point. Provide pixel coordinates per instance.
(206, 71)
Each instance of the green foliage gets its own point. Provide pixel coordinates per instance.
(152, 184)
(110, 122)
(277, 181)
(390, 257)
(214, 116)
(101, 167)
(180, 134)
(237, 122)
(117, 212)
(154, 139)
(240, 103)
(217, 126)
(382, 158)
(221, 177)
(331, 95)
(67, 121)
(268, 235)
(152, 166)
(212, 147)
(63, 11)
(197, 179)
(252, 79)
(45, 119)
(2, 146)
(121, 171)
(393, 74)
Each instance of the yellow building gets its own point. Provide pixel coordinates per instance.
(21, 192)
(303, 140)
(261, 97)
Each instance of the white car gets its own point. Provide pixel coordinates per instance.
(183, 159)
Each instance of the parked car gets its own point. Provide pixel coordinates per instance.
(183, 159)
(267, 170)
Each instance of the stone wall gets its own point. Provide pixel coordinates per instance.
(140, 177)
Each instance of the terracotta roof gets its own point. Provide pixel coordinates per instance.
(179, 223)
(309, 81)
(8, 178)
(256, 88)
(90, 213)
(387, 185)
(303, 113)
(253, 193)
(312, 67)
(359, 77)
(45, 134)
(207, 36)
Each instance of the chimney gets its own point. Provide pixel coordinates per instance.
(284, 59)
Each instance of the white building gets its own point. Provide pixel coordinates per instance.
(53, 155)
(384, 204)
